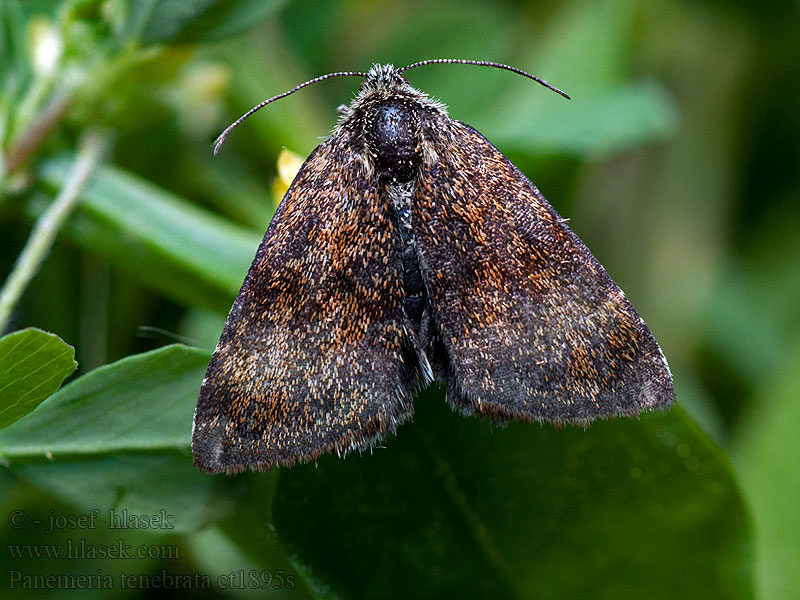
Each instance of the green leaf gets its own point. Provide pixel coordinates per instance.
(766, 454)
(219, 555)
(763, 276)
(627, 509)
(13, 58)
(33, 363)
(142, 402)
(246, 540)
(14, 65)
(143, 484)
(118, 437)
(39, 508)
(597, 124)
(585, 51)
(588, 44)
(182, 250)
(188, 21)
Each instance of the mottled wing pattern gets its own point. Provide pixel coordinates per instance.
(533, 326)
(315, 356)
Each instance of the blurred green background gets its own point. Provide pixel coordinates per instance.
(677, 162)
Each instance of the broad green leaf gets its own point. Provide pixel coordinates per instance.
(246, 539)
(165, 484)
(453, 508)
(35, 549)
(189, 21)
(142, 402)
(766, 453)
(33, 363)
(249, 529)
(185, 251)
(224, 561)
(597, 124)
(96, 433)
(585, 51)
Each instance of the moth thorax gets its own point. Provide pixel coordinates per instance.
(391, 130)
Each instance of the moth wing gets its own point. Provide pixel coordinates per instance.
(532, 325)
(315, 356)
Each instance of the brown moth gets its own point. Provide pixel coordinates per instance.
(408, 249)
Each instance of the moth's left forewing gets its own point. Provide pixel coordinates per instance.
(316, 355)
(533, 326)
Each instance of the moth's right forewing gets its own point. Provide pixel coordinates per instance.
(315, 356)
(533, 326)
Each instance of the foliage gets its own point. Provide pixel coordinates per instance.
(676, 161)
(34, 363)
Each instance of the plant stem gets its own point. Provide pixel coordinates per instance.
(48, 224)
(47, 121)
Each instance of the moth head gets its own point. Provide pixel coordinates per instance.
(382, 83)
(382, 78)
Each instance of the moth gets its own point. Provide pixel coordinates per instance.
(408, 249)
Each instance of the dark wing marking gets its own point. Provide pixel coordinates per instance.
(533, 326)
(317, 354)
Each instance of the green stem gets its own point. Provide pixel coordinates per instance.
(37, 133)
(48, 224)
